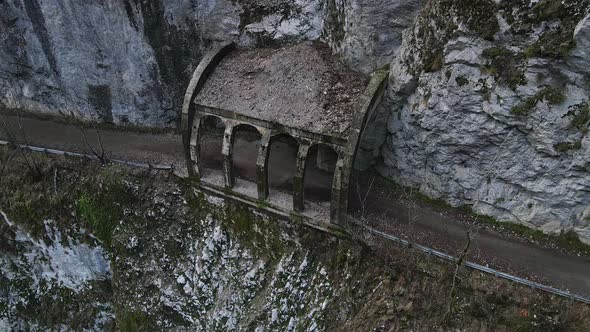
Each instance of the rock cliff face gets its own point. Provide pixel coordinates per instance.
(490, 108)
(130, 61)
(121, 61)
(488, 100)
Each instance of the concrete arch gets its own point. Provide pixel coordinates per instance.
(372, 97)
(276, 134)
(309, 125)
(204, 69)
(243, 125)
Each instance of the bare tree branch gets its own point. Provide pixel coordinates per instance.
(12, 136)
(363, 198)
(99, 151)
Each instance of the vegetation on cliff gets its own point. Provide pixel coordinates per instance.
(179, 258)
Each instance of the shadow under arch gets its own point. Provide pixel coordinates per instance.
(282, 162)
(245, 144)
(211, 143)
(319, 173)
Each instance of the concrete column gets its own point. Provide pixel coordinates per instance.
(339, 199)
(195, 148)
(298, 184)
(227, 151)
(262, 165)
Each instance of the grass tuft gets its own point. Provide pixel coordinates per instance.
(553, 96)
(505, 66)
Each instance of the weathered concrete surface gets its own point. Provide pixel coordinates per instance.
(302, 91)
(301, 86)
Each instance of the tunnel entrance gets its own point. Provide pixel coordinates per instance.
(289, 119)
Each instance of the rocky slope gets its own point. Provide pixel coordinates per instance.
(488, 100)
(85, 247)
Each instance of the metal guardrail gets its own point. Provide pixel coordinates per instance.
(159, 167)
(475, 266)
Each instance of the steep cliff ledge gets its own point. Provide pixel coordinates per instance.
(103, 248)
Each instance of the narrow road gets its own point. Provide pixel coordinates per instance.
(414, 221)
(117, 144)
(447, 232)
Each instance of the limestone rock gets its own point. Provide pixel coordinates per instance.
(481, 127)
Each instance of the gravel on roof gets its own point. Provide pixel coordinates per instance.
(302, 86)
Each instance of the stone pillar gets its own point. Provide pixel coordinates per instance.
(195, 148)
(339, 199)
(298, 184)
(262, 165)
(227, 151)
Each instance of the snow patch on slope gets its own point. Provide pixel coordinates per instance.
(71, 265)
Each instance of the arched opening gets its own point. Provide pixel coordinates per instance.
(319, 172)
(246, 142)
(282, 162)
(210, 144)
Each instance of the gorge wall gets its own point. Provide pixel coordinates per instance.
(490, 108)
(487, 104)
(130, 61)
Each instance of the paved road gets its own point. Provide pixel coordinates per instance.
(447, 232)
(125, 145)
(421, 223)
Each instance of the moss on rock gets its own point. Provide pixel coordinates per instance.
(567, 146)
(580, 115)
(505, 66)
(557, 18)
(553, 96)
